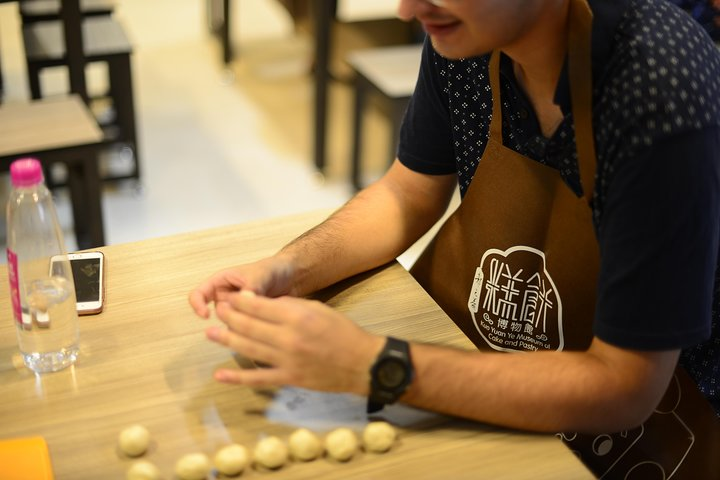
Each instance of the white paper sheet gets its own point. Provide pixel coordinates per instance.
(321, 411)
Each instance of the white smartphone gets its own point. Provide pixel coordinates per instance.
(88, 270)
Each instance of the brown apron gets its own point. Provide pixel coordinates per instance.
(516, 266)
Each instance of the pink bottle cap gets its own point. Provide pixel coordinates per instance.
(26, 172)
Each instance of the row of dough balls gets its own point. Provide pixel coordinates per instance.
(270, 452)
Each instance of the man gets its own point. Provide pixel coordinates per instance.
(610, 197)
(705, 12)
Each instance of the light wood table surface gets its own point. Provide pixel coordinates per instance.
(145, 360)
(48, 124)
(362, 10)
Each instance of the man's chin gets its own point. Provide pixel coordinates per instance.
(456, 52)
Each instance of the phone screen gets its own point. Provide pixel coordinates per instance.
(86, 274)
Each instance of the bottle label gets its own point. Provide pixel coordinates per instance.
(14, 285)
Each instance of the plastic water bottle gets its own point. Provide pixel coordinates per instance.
(43, 302)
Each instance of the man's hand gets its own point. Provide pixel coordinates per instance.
(271, 277)
(305, 343)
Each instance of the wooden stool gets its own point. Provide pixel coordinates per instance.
(390, 73)
(104, 40)
(60, 130)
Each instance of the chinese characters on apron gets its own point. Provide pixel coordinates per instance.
(516, 268)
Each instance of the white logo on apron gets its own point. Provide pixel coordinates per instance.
(514, 303)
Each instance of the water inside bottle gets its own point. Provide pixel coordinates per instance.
(48, 335)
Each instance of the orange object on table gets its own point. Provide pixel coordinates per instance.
(25, 459)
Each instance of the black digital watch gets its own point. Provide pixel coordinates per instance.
(390, 375)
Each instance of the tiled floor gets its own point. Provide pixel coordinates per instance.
(216, 146)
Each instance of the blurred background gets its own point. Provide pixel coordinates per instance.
(218, 143)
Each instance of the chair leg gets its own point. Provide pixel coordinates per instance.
(47, 173)
(85, 192)
(121, 92)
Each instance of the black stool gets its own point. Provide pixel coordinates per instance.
(60, 130)
(390, 73)
(44, 10)
(104, 40)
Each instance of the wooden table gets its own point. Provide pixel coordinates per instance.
(145, 360)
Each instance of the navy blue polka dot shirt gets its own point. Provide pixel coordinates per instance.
(656, 203)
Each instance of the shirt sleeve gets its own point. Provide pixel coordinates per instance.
(426, 143)
(658, 239)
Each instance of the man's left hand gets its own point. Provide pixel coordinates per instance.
(304, 343)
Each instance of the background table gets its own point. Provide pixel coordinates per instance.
(324, 13)
(145, 360)
(60, 130)
(347, 11)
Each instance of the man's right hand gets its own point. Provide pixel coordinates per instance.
(270, 277)
(373, 228)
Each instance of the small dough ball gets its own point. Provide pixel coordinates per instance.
(341, 444)
(134, 440)
(378, 437)
(193, 466)
(143, 470)
(271, 452)
(231, 459)
(305, 445)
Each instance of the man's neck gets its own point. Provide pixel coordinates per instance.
(538, 58)
(539, 54)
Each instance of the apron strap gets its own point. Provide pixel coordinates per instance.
(580, 70)
(496, 119)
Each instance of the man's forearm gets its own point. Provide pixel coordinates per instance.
(361, 235)
(372, 229)
(541, 391)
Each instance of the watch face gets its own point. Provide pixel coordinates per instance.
(391, 373)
